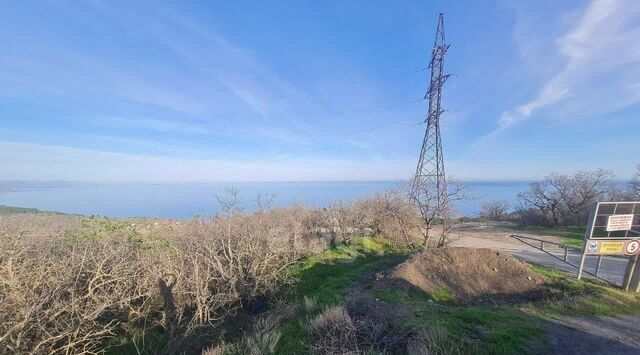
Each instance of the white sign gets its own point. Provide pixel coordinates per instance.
(632, 247)
(620, 222)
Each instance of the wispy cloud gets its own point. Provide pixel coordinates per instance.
(150, 124)
(600, 53)
(42, 163)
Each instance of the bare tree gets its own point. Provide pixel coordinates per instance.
(493, 210)
(567, 199)
(437, 208)
(264, 201)
(230, 205)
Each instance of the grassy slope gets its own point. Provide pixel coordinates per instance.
(475, 329)
(326, 278)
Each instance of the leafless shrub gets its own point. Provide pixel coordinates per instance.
(493, 210)
(75, 292)
(391, 215)
(38, 224)
(335, 331)
(438, 210)
(59, 298)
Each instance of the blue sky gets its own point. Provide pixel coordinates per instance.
(308, 90)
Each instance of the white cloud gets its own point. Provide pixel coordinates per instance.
(601, 53)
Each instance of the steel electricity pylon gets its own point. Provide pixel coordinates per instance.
(429, 181)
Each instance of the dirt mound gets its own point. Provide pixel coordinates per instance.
(469, 275)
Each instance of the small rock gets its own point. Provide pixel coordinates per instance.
(529, 278)
(494, 269)
(430, 301)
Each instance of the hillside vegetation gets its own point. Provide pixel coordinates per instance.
(6, 210)
(105, 284)
(277, 281)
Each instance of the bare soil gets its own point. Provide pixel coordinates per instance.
(470, 275)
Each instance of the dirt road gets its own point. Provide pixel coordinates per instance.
(477, 235)
(567, 334)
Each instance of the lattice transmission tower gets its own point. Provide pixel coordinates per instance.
(429, 179)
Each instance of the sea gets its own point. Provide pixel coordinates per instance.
(186, 200)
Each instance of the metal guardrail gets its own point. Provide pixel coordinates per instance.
(540, 245)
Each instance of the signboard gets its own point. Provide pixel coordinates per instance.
(613, 247)
(614, 220)
(613, 229)
(621, 222)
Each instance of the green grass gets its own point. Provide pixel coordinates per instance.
(327, 278)
(584, 297)
(465, 329)
(479, 330)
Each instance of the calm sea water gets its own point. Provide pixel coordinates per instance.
(183, 201)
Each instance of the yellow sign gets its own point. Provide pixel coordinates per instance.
(612, 247)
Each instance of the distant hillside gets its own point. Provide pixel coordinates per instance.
(5, 210)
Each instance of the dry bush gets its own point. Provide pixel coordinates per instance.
(78, 291)
(437, 207)
(391, 215)
(61, 298)
(38, 224)
(335, 332)
(74, 293)
(494, 210)
(388, 214)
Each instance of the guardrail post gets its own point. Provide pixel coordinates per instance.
(566, 252)
(628, 275)
(542, 245)
(598, 264)
(582, 259)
